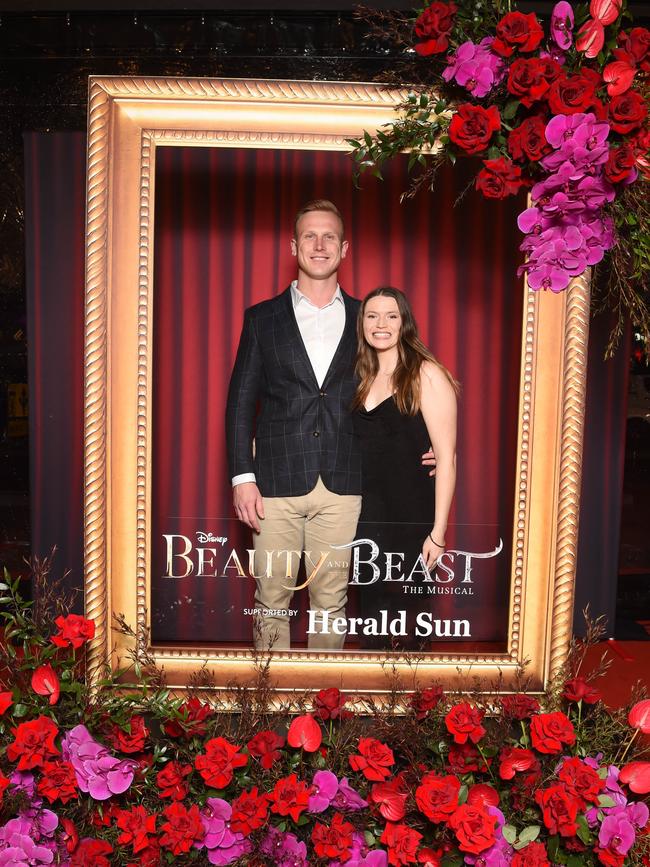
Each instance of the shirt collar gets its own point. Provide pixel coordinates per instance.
(297, 296)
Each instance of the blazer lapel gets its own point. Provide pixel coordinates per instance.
(289, 318)
(348, 340)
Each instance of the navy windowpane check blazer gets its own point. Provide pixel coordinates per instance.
(301, 430)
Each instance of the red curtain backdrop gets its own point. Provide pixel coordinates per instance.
(213, 270)
(224, 218)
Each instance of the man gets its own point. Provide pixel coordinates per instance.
(295, 464)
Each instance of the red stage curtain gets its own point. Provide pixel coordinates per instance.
(224, 219)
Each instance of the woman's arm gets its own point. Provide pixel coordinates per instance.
(438, 405)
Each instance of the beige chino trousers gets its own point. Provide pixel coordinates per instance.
(311, 523)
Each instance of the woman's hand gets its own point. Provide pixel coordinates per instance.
(431, 552)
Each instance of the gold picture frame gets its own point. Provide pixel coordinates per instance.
(128, 119)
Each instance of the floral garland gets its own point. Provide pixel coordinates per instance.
(135, 777)
(566, 115)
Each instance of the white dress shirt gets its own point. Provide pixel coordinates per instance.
(321, 329)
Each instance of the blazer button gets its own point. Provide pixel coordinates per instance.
(316, 433)
(322, 393)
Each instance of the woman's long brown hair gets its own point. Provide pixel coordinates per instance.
(411, 354)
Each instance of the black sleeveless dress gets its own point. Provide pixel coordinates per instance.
(397, 512)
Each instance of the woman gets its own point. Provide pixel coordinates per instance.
(405, 401)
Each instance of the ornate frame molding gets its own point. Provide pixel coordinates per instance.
(128, 119)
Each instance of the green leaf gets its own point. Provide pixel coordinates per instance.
(369, 838)
(529, 834)
(605, 801)
(463, 792)
(553, 847)
(19, 710)
(493, 153)
(451, 861)
(441, 106)
(509, 833)
(583, 830)
(510, 109)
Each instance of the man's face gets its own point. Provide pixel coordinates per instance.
(319, 245)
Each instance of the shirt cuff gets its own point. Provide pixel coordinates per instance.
(243, 477)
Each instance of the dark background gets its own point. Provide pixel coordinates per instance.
(47, 51)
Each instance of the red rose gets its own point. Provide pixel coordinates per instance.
(474, 828)
(636, 45)
(513, 759)
(570, 94)
(136, 825)
(218, 764)
(532, 855)
(149, 857)
(519, 706)
(527, 141)
(549, 731)
(609, 858)
(577, 689)
(627, 111)
(33, 744)
(374, 759)
(483, 794)
(6, 700)
(90, 853)
(192, 721)
(464, 722)
(4, 782)
(171, 781)
(304, 732)
(181, 829)
(559, 810)
(58, 781)
(333, 841)
(402, 843)
(426, 700)
(581, 781)
(437, 797)
(132, 740)
(434, 26)
(640, 143)
(391, 799)
(472, 127)
(249, 812)
(74, 630)
(639, 716)
(526, 80)
(290, 797)
(499, 178)
(329, 704)
(265, 747)
(465, 758)
(517, 31)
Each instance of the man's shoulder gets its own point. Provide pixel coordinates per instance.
(268, 307)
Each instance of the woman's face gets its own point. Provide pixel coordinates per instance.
(382, 323)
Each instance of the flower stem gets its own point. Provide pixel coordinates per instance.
(618, 761)
(487, 764)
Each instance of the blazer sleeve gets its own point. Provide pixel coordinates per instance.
(243, 394)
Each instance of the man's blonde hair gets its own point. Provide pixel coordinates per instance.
(318, 205)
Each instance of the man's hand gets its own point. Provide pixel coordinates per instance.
(429, 460)
(249, 506)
